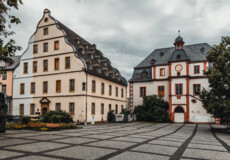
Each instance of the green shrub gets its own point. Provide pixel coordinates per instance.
(57, 117)
(26, 119)
(125, 111)
(111, 116)
(153, 109)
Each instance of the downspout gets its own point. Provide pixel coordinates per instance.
(86, 98)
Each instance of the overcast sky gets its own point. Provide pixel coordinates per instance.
(126, 31)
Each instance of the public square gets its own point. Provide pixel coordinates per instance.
(118, 141)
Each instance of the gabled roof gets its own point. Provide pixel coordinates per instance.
(92, 57)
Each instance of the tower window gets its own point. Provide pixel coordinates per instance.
(142, 91)
(178, 57)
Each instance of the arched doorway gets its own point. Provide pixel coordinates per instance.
(44, 109)
(44, 105)
(179, 115)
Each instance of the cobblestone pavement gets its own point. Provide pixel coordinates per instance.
(118, 142)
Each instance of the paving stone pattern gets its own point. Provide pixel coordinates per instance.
(120, 141)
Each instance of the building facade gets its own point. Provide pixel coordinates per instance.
(6, 81)
(176, 74)
(62, 71)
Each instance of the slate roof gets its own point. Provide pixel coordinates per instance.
(193, 53)
(91, 56)
(14, 63)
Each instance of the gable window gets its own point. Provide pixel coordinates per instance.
(144, 74)
(45, 65)
(45, 47)
(116, 109)
(32, 87)
(71, 85)
(4, 75)
(35, 49)
(45, 87)
(25, 68)
(71, 108)
(102, 88)
(83, 86)
(67, 62)
(56, 45)
(22, 88)
(110, 90)
(56, 64)
(93, 109)
(93, 86)
(179, 88)
(116, 91)
(196, 89)
(35, 66)
(196, 69)
(45, 31)
(21, 109)
(32, 109)
(162, 72)
(161, 91)
(142, 91)
(4, 89)
(58, 107)
(102, 108)
(122, 92)
(58, 86)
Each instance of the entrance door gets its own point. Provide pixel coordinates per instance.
(179, 115)
(44, 109)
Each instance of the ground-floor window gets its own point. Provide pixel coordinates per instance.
(161, 91)
(110, 107)
(21, 109)
(142, 91)
(122, 107)
(58, 106)
(93, 109)
(102, 108)
(32, 109)
(196, 89)
(71, 108)
(116, 109)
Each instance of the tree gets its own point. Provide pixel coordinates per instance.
(216, 100)
(153, 109)
(7, 46)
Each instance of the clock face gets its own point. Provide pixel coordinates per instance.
(178, 67)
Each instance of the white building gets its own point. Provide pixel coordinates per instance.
(176, 74)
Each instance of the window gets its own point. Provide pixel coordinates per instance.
(93, 109)
(45, 31)
(102, 109)
(110, 107)
(179, 89)
(122, 108)
(22, 88)
(21, 109)
(32, 109)
(71, 85)
(45, 65)
(102, 88)
(142, 91)
(35, 66)
(122, 92)
(58, 106)
(4, 75)
(71, 108)
(46, 20)
(162, 72)
(144, 74)
(110, 90)
(93, 86)
(116, 92)
(45, 87)
(56, 64)
(116, 109)
(35, 49)
(25, 67)
(178, 57)
(161, 91)
(196, 89)
(178, 73)
(83, 86)
(4, 89)
(56, 45)
(67, 62)
(58, 86)
(32, 87)
(196, 69)
(45, 47)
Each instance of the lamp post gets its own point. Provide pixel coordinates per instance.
(2, 113)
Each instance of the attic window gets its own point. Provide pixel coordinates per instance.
(178, 57)
(152, 61)
(46, 20)
(161, 54)
(144, 74)
(202, 49)
(80, 50)
(77, 40)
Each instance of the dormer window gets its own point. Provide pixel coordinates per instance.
(161, 54)
(202, 49)
(178, 57)
(144, 74)
(80, 50)
(153, 61)
(77, 40)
